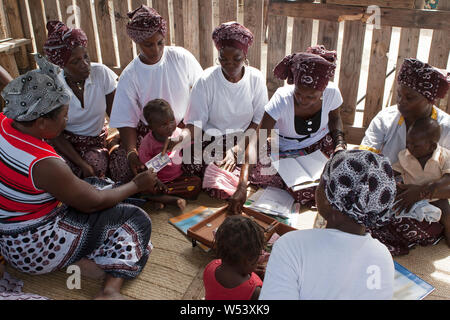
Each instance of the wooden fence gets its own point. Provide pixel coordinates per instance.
(192, 21)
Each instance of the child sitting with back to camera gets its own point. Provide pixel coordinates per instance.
(173, 186)
(425, 164)
(239, 242)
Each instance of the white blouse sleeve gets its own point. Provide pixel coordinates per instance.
(375, 135)
(126, 111)
(110, 80)
(275, 106)
(260, 99)
(198, 110)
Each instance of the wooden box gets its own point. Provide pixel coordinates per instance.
(381, 3)
(203, 231)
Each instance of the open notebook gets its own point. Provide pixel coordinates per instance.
(302, 172)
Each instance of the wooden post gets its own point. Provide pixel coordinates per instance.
(51, 10)
(124, 41)
(351, 58)
(162, 6)
(227, 10)
(13, 13)
(137, 3)
(67, 12)
(381, 40)
(24, 19)
(38, 22)
(409, 43)
(301, 34)
(205, 12)
(4, 26)
(87, 24)
(328, 34)
(253, 20)
(191, 29)
(105, 32)
(276, 49)
(178, 22)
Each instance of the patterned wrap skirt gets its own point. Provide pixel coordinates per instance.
(116, 239)
(93, 150)
(306, 196)
(118, 163)
(194, 169)
(402, 234)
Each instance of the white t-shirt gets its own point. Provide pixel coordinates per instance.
(89, 121)
(219, 104)
(170, 79)
(281, 109)
(326, 264)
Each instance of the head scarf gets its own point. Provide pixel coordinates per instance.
(313, 68)
(425, 79)
(35, 93)
(144, 23)
(361, 185)
(61, 41)
(234, 35)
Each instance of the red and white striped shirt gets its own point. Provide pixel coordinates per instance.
(20, 200)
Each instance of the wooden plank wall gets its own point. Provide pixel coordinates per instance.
(191, 24)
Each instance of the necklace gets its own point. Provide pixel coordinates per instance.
(78, 84)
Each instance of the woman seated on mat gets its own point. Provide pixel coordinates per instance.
(84, 142)
(420, 87)
(158, 72)
(49, 218)
(306, 113)
(356, 191)
(227, 104)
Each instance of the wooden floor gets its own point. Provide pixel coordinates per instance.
(174, 270)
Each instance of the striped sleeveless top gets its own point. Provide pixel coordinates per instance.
(20, 200)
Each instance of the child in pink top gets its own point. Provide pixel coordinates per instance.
(239, 242)
(173, 185)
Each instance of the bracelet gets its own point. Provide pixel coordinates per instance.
(132, 151)
(426, 193)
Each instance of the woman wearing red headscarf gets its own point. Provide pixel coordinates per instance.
(226, 104)
(83, 144)
(158, 72)
(420, 87)
(306, 113)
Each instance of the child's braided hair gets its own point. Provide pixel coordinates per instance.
(237, 239)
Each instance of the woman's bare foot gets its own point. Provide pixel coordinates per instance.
(90, 269)
(156, 205)
(181, 203)
(113, 295)
(111, 289)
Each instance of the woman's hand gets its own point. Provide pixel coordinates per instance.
(135, 164)
(160, 187)
(340, 147)
(146, 181)
(229, 163)
(87, 170)
(407, 196)
(237, 200)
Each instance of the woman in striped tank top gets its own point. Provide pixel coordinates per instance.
(49, 218)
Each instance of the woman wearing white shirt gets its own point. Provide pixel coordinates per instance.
(342, 261)
(227, 101)
(83, 144)
(306, 113)
(159, 72)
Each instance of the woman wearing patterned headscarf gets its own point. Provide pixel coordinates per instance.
(49, 218)
(420, 88)
(342, 261)
(158, 72)
(92, 86)
(306, 113)
(227, 101)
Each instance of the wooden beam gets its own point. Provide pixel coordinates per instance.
(125, 43)
(276, 50)
(376, 81)
(301, 34)
(105, 32)
(380, 3)
(205, 11)
(253, 20)
(11, 45)
(137, 3)
(51, 10)
(227, 10)
(4, 25)
(38, 22)
(87, 24)
(162, 6)
(409, 43)
(405, 18)
(13, 13)
(354, 135)
(352, 50)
